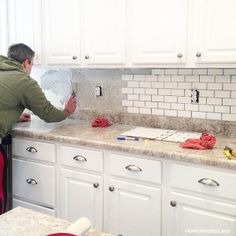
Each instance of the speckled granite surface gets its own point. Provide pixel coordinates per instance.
(81, 133)
(21, 222)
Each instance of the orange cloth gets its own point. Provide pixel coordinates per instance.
(100, 122)
(206, 141)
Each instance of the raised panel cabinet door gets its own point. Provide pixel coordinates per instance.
(24, 24)
(104, 32)
(215, 34)
(157, 31)
(132, 209)
(62, 31)
(3, 27)
(81, 195)
(190, 215)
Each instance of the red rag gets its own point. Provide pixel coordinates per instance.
(206, 141)
(1, 182)
(100, 122)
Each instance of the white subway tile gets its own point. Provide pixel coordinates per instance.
(158, 112)
(185, 71)
(202, 100)
(233, 109)
(170, 98)
(184, 113)
(222, 109)
(157, 98)
(184, 100)
(199, 115)
(214, 101)
(207, 93)
(145, 84)
(139, 104)
(222, 79)
(139, 77)
(133, 97)
(233, 79)
(151, 104)
(229, 71)
(145, 98)
(127, 103)
(214, 116)
(151, 91)
(177, 92)
(171, 71)
(229, 86)
(184, 85)
(157, 85)
(164, 92)
(133, 110)
(164, 105)
(215, 71)
(127, 77)
(177, 106)
(192, 78)
(158, 71)
(177, 78)
(207, 78)
(199, 71)
(214, 86)
(229, 101)
(222, 94)
(187, 93)
(163, 78)
(199, 85)
(170, 85)
(229, 117)
(206, 108)
(139, 91)
(233, 94)
(170, 113)
(133, 84)
(151, 78)
(145, 110)
(127, 90)
(191, 107)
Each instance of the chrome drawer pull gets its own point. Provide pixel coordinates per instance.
(31, 149)
(79, 158)
(208, 181)
(31, 181)
(133, 168)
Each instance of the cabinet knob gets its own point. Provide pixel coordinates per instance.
(179, 55)
(80, 158)
(198, 54)
(31, 181)
(173, 203)
(86, 57)
(74, 57)
(209, 182)
(31, 149)
(111, 188)
(96, 185)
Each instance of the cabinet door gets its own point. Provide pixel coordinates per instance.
(215, 34)
(3, 27)
(24, 19)
(157, 31)
(62, 25)
(196, 215)
(132, 209)
(81, 194)
(104, 31)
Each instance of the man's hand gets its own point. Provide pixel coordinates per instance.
(70, 105)
(25, 117)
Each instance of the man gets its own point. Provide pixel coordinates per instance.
(17, 92)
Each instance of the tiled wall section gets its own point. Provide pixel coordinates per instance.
(167, 92)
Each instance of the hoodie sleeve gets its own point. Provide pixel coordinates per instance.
(35, 100)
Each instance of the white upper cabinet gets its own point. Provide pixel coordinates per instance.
(62, 31)
(24, 21)
(103, 32)
(157, 31)
(215, 31)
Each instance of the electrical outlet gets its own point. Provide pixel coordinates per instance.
(194, 96)
(98, 91)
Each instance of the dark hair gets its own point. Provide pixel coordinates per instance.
(20, 52)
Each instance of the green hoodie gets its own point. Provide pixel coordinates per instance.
(19, 91)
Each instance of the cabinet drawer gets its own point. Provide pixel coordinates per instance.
(210, 182)
(82, 158)
(135, 168)
(33, 149)
(34, 182)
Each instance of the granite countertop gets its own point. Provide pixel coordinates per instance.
(22, 221)
(81, 133)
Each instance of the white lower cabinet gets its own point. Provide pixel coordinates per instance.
(81, 195)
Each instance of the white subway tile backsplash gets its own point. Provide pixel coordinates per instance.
(222, 109)
(170, 113)
(229, 102)
(139, 77)
(185, 71)
(214, 101)
(145, 84)
(133, 97)
(151, 91)
(222, 79)
(214, 116)
(184, 113)
(139, 91)
(171, 71)
(133, 110)
(170, 98)
(207, 79)
(233, 79)
(207, 93)
(191, 107)
(233, 110)
(139, 104)
(158, 71)
(184, 100)
(206, 108)
(176, 78)
(145, 97)
(192, 78)
(133, 84)
(177, 106)
(127, 90)
(184, 85)
(164, 105)
(158, 112)
(229, 117)
(157, 98)
(171, 85)
(163, 78)
(214, 86)
(222, 94)
(164, 91)
(229, 86)
(215, 71)
(199, 85)
(177, 92)
(157, 84)
(199, 115)
(199, 71)
(151, 78)
(202, 100)
(230, 71)
(147, 111)
(233, 94)
(151, 104)
(127, 77)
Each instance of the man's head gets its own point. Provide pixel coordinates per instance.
(23, 54)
